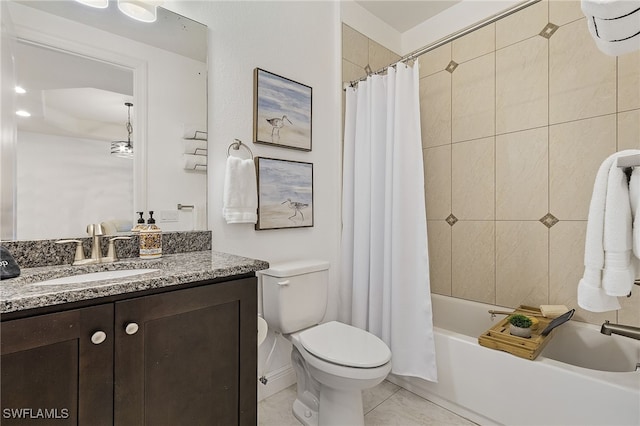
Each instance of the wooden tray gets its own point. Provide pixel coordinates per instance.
(498, 336)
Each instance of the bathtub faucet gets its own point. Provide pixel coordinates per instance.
(623, 330)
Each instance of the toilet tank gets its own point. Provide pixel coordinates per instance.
(294, 294)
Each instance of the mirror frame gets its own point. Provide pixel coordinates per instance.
(27, 34)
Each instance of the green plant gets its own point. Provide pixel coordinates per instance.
(521, 321)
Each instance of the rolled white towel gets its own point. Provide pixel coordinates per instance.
(194, 131)
(114, 226)
(613, 24)
(614, 48)
(609, 9)
(194, 162)
(195, 146)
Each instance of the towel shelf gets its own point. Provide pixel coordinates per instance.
(196, 135)
(629, 161)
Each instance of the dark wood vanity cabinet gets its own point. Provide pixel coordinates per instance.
(182, 357)
(192, 360)
(52, 373)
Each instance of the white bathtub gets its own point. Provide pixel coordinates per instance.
(581, 378)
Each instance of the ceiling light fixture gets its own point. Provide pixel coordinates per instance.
(20, 90)
(23, 113)
(124, 149)
(141, 10)
(98, 4)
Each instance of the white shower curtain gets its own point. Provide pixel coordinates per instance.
(385, 265)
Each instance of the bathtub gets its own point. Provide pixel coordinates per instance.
(581, 377)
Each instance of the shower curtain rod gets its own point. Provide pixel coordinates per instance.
(413, 55)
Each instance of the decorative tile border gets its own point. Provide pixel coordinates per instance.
(548, 30)
(549, 220)
(451, 67)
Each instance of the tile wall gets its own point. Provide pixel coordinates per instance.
(358, 51)
(516, 119)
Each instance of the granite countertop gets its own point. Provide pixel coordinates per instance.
(23, 292)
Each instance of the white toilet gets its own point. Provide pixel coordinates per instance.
(333, 361)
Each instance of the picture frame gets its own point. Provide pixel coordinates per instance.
(285, 194)
(282, 113)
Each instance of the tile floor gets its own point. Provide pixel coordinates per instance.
(386, 404)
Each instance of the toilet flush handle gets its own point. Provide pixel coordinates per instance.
(283, 283)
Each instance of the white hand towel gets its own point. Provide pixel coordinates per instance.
(240, 198)
(591, 295)
(618, 273)
(194, 146)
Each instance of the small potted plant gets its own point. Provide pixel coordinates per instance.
(520, 325)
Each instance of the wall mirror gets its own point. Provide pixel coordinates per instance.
(80, 66)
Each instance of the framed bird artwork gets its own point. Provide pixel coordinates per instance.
(285, 194)
(282, 111)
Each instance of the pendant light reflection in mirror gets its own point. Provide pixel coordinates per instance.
(124, 149)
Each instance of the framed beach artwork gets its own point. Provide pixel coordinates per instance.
(282, 111)
(285, 194)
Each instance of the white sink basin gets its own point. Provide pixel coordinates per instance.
(96, 276)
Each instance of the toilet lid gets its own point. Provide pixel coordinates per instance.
(345, 345)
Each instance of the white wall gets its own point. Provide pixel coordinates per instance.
(300, 41)
(365, 22)
(7, 128)
(449, 21)
(53, 172)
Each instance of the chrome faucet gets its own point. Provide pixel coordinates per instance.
(623, 330)
(95, 230)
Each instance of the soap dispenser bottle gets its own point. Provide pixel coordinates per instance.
(140, 223)
(150, 239)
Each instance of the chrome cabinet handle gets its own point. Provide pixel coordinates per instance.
(131, 328)
(98, 337)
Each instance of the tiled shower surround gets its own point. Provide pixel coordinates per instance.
(516, 119)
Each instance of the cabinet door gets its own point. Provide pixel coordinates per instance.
(52, 372)
(187, 357)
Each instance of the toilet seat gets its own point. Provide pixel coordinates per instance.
(345, 345)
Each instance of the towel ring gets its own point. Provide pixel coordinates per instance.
(237, 143)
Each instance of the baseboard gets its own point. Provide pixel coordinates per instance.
(277, 380)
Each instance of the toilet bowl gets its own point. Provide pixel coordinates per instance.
(333, 361)
(321, 355)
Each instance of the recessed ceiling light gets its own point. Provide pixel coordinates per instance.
(141, 10)
(23, 113)
(20, 90)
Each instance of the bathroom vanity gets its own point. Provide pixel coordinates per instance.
(174, 346)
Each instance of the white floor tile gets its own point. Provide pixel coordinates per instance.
(384, 405)
(277, 409)
(404, 408)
